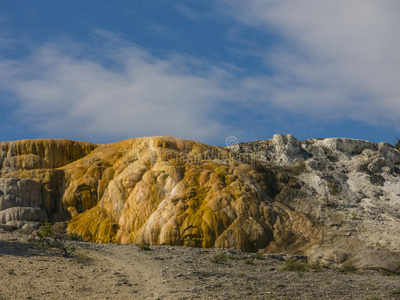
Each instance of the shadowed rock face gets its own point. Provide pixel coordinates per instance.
(30, 186)
(322, 197)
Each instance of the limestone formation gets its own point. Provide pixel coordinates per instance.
(29, 185)
(22, 214)
(41, 154)
(163, 190)
(19, 192)
(350, 186)
(328, 198)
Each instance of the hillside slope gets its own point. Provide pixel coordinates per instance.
(329, 198)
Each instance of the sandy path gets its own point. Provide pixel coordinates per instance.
(136, 268)
(107, 271)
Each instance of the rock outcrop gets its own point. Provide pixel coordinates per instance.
(20, 201)
(328, 198)
(41, 154)
(350, 186)
(29, 179)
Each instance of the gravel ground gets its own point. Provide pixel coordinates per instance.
(109, 271)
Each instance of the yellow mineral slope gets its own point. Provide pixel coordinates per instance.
(160, 190)
(163, 190)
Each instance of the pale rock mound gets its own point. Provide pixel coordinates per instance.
(26, 202)
(351, 186)
(20, 201)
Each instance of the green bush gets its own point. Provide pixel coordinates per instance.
(385, 272)
(219, 258)
(49, 239)
(349, 268)
(258, 256)
(294, 265)
(144, 247)
(333, 190)
(45, 231)
(317, 267)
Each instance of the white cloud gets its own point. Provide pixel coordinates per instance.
(334, 59)
(116, 91)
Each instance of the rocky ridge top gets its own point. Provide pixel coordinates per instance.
(351, 186)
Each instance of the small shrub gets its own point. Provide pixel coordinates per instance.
(294, 265)
(385, 272)
(396, 292)
(317, 267)
(74, 237)
(26, 232)
(60, 242)
(333, 190)
(348, 269)
(219, 258)
(60, 227)
(249, 261)
(232, 257)
(49, 239)
(299, 167)
(258, 256)
(44, 231)
(11, 272)
(144, 247)
(83, 258)
(354, 216)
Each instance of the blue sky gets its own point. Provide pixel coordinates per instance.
(104, 71)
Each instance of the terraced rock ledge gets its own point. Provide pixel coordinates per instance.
(334, 200)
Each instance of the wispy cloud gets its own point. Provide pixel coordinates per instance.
(125, 92)
(335, 59)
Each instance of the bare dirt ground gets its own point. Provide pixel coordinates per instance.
(109, 271)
